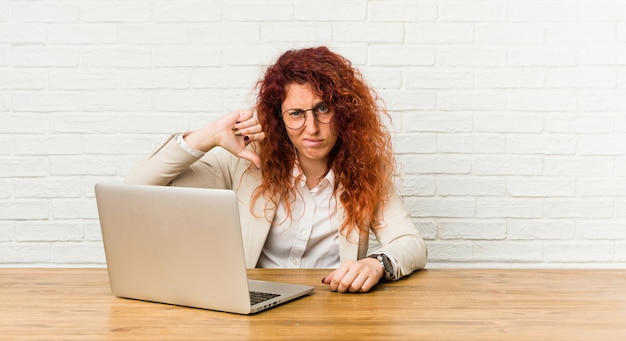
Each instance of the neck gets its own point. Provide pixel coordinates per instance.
(314, 171)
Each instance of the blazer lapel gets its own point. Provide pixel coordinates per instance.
(255, 233)
(348, 247)
(352, 246)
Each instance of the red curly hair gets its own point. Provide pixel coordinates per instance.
(362, 159)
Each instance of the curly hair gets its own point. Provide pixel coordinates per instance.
(362, 159)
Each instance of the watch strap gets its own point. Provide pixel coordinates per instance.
(385, 263)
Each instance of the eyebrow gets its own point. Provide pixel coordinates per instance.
(313, 107)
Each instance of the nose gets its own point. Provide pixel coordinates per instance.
(310, 123)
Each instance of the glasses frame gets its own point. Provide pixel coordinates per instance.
(304, 111)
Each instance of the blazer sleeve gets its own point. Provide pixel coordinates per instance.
(170, 165)
(400, 239)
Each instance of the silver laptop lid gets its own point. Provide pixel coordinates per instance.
(174, 245)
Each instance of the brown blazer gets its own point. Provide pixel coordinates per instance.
(169, 164)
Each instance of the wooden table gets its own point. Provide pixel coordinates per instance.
(462, 304)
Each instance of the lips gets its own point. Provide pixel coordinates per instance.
(312, 142)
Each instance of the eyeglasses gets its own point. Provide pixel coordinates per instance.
(295, 118)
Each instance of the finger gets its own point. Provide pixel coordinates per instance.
(253, 129)
(358, 278)
(334, 280)
(328, 278)
(259, 137)
(253, 133)
(256, 129)
(254, 137)
(363, 283)
(346, 282)
(244, 115)
(252, 121)
(357, 283)
(369, 283)
(245, 119)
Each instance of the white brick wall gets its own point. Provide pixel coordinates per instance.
(510, 116)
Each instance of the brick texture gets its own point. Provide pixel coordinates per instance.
(509, 117)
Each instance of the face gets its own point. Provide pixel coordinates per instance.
(314, 140)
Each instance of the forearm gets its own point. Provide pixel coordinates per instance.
(400, 239)
(162, 165)
(408, 253)
(203, 139)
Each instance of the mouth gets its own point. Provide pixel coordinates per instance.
(312, 142)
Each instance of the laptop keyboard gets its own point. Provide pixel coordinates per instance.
(259, 296)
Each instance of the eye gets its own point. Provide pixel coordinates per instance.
(322, 109)
(295, 113)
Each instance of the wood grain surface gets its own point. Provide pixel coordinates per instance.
(442, 304)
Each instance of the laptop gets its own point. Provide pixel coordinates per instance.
(181, 246)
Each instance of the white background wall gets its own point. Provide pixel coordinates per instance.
(509, 115)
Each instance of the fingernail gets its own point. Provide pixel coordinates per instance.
(234, 128)
(323, 279)
(246, 138)
(238, 133)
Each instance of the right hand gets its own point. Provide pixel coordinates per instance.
(233, 132)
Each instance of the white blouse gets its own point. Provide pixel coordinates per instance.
(310, 237)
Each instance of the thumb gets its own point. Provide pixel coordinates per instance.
(250, 155)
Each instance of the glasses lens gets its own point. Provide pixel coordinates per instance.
(323, 114)
(294, 119)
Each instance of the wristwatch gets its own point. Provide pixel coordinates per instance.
(385, 263)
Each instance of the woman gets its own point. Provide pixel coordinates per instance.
(312, 168)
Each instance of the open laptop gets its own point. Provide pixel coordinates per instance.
(181, 246)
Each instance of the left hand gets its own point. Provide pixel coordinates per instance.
(355, 276)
